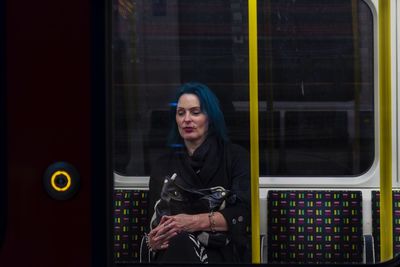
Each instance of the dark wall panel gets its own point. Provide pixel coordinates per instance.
(48, 120)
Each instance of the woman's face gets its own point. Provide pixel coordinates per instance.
(192, 122)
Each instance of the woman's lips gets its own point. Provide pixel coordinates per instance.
(188, 129)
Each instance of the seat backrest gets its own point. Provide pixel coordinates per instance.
(314, 227)
(303, 226)
(375, 203)
(130, 224)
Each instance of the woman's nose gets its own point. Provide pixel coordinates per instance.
(187, 117)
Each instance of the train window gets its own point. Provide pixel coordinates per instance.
(316, 88)
(316, 80)
(158, 45)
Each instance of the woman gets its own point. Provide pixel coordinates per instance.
(202, 157)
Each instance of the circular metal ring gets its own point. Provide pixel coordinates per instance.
(55, 186)
(61, 181)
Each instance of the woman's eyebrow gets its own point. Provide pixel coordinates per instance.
(196, 107)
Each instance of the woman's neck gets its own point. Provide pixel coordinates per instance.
(192, 146)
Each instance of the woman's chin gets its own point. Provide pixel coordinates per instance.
(191, 138)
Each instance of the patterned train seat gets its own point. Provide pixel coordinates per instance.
(376, 223)
(315, 227)
(130, 223)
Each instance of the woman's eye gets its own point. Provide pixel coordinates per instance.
(196, 112)
(180, 113)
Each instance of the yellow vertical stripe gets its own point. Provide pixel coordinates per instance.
(254, 152)
(385, 132)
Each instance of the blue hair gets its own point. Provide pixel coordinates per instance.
(209, 104)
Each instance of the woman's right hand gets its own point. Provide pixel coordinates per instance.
(158, 238)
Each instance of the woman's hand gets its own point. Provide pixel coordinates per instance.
(170, 226)
(158, 237)
(185, 222)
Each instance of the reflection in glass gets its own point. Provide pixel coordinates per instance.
(158, 45)
(316, 88)
(315, 72)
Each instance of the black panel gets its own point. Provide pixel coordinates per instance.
(3, 129)
(101, 186)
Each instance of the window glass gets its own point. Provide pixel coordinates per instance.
(316, 81)
(156, 47)
(316, 88)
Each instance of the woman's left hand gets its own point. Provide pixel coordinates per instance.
(170, 226)
(184, 222)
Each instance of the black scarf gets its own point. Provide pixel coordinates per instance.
(207, 167)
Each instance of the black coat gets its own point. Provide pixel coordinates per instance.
(214, 163)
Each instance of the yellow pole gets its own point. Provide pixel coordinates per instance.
(254, 152)
(385, 139)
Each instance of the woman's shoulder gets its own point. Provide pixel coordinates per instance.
(169, 155)
(237, 149)
(238, 156)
